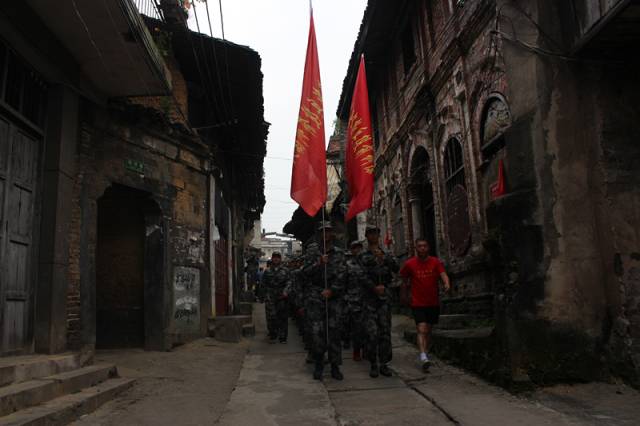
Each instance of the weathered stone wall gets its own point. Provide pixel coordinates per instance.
(174, 174)
(568, 281)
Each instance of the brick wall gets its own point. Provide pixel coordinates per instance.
(174, 174)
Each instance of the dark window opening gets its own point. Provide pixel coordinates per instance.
(408, 48)
(15, 77)
(21, 87)
(496, 120)
(453, 165)
(3, 64)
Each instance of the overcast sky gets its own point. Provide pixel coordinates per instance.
(278, 30)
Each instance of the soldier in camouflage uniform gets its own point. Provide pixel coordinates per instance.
(295, 296)
(320, 298)
(354, 319)
(277, 285)
(379, 267)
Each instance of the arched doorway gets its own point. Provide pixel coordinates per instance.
(421, 199)
(129, 270)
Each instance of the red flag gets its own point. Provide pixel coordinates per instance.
(309, 175)
(359, 152)
(498, 189)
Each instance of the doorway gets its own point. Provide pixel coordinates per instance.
(126, 274)
(19, 152)
(421, 187)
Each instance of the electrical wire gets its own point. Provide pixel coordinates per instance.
(91, 40)
(124, 47)
(215, 58)
(226, 60)
(221, 19)
(222, 115)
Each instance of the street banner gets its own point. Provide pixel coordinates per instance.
(359, 152)
(309, 174)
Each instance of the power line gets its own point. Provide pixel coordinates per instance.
(212, 94)
(221, 19)
(226, 59)
(215, 56)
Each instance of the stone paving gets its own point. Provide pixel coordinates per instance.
(257, 383)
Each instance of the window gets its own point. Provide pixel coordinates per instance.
(408, 48)
(3, 62)
(383, 225)
(21, 87)
(453, 165)
(398, 227)
(496, 120)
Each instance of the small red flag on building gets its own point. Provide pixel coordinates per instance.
(359, 152)
(309, 174)
(498, 188)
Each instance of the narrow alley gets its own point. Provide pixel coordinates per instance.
(257, 383)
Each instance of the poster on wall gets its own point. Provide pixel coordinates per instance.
(186, 290)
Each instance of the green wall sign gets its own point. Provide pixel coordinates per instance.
(134, 166)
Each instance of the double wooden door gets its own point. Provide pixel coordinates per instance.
(18, 171)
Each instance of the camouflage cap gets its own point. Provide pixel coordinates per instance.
(355, 243)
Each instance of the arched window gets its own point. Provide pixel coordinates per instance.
(383, 224)
(421, 189)
(496, 119)
(453, 165)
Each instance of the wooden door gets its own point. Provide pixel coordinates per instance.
(18, 167)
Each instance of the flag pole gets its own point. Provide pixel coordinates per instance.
(326, 284)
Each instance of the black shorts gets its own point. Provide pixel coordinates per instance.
(428, 314)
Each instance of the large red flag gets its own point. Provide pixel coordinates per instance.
(359, 154)
(309, 175)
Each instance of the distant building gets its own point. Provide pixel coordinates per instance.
(269, 242)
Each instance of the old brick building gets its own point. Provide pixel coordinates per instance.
(546, 258)
(124, 140)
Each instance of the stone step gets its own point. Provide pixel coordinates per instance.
(248, 330)
(20, 369)
(67, 408)
(454, 321)
(229, 328)
(245, 308)
(22, 395)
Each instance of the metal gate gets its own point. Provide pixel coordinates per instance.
(222, 277)
(18, 169)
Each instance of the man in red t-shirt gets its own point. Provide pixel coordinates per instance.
(422, 273)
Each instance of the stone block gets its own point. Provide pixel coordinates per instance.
(454, 322)
(248, 330)
(229, 328)
(245, 308)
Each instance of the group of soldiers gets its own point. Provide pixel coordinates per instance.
(337, 298)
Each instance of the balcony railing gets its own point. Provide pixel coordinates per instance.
(150, 8)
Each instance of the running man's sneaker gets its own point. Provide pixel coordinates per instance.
(426, 363)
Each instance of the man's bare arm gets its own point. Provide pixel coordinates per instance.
(445, 280)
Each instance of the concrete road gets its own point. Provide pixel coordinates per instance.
(189, 386)
(276, 388)
(257, 383)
